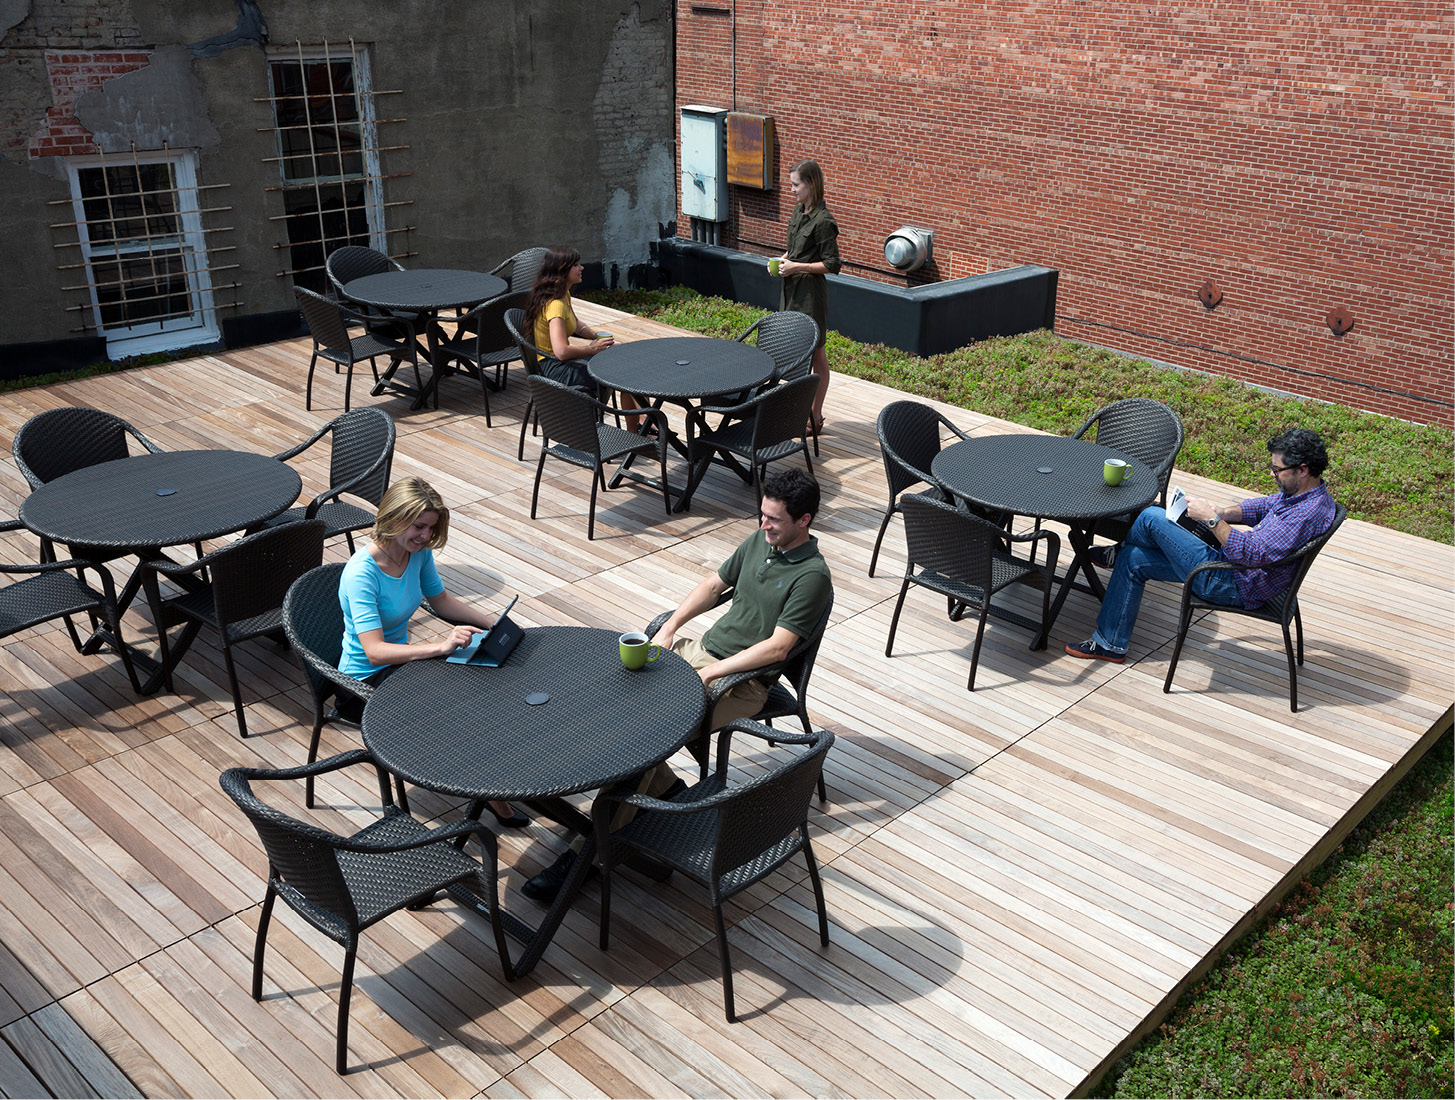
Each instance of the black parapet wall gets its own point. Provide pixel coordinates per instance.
(924, 320)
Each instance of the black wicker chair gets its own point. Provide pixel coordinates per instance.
(1150, 432)
(764, 429)
(359, 464)
(481, 343)
(314, 623)
(909, 440)
(53, 592)
(784, 700)
(327, 323)
(353, 261)
(571, 430)
(520, 271)
(58, 441)
(343, 884)
(789, 338)
(530, 359)
(724, 835)
(243, 598)
(1282, 609)
(966, 559)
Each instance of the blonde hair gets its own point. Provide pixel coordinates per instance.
(403, 503)
(810, 173)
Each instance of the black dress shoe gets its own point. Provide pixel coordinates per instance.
(545, 886)
(516, 820)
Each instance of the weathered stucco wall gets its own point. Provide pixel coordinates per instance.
(523, 123)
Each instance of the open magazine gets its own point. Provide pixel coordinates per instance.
(1177, 513)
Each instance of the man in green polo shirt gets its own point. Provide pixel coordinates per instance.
(780, 586)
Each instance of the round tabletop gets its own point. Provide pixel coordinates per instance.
(469, 731)
(164, 499)
(678, 368)
(1042, 475)
(421, 290)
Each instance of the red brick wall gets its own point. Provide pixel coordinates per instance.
(72, 74)
(1297, 154)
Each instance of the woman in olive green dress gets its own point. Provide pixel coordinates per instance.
(812, 253)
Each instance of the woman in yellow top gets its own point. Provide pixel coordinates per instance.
(550, 318)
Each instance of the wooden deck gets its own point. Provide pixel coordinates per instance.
(1020, 881)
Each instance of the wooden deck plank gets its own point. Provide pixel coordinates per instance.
(1019, 880)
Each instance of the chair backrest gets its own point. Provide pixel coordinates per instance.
(313, 618)
(363, 447)
(524, 266)
(1148, 430)
(251, 576)
(325, 320)
(299, 854)
(950, 541)
(759, 814)
(1307, 553)
(58, 441)
(514, 318)
(799, 665)
(567, 416)
(487, 322)
(783, 411)
(354, 261)
(789, 338)
(909, 440)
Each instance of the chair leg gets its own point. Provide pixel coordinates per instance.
(237, 703)
(727, 965)
(823, 912)
(894, 622)
(262, 941)
(1183, 622)
(1298, 622)
(313, 747)
(536, 492)
(591, 511)
(1292, 670)
(979, 637)
(349, 387)
(883, 526)
(308, 390)
(605, 922)
(346, 987)
(524, 423)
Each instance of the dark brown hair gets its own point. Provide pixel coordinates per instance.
(553, 282)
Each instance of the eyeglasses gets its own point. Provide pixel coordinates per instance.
(1280, 469)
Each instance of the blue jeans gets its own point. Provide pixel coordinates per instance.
(1156, 550)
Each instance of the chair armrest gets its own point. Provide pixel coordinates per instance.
(11, 525)
(953, 427)
(661, 620)
(423, 840)
(292, 452)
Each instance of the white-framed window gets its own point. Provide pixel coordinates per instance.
(328, 155)
(140, 229)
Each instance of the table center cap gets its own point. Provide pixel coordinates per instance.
(165, 492)
(536, 698)
(683, 362)
(1043, 469)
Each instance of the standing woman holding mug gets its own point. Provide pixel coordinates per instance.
(812, 253)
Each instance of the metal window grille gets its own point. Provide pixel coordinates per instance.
(328, 161)
(144, 261)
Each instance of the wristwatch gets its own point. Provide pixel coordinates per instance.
(1212, 524)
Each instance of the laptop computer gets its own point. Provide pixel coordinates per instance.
(489, 648)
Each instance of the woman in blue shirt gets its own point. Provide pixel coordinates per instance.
(383, 585)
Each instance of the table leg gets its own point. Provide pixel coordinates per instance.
(418, 391)
(1080, 539)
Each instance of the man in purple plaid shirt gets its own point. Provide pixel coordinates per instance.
(1157, 549)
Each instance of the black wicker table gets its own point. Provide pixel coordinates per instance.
(482, 733)
(1050, 477)
(139, 505)
(422, 293)
(686, 370)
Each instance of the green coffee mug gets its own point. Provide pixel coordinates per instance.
(637, 650)
(773, 266)
(1115, 471)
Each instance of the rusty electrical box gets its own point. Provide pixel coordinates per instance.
(750, 150)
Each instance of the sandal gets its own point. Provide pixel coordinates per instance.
(814, 426)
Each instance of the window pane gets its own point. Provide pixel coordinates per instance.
(128, 202)
(321, 219)
(317, 111)
(136, 290)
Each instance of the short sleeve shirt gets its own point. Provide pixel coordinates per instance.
(813, 237)
(373, 600)
(771, 588)
(556, 307)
